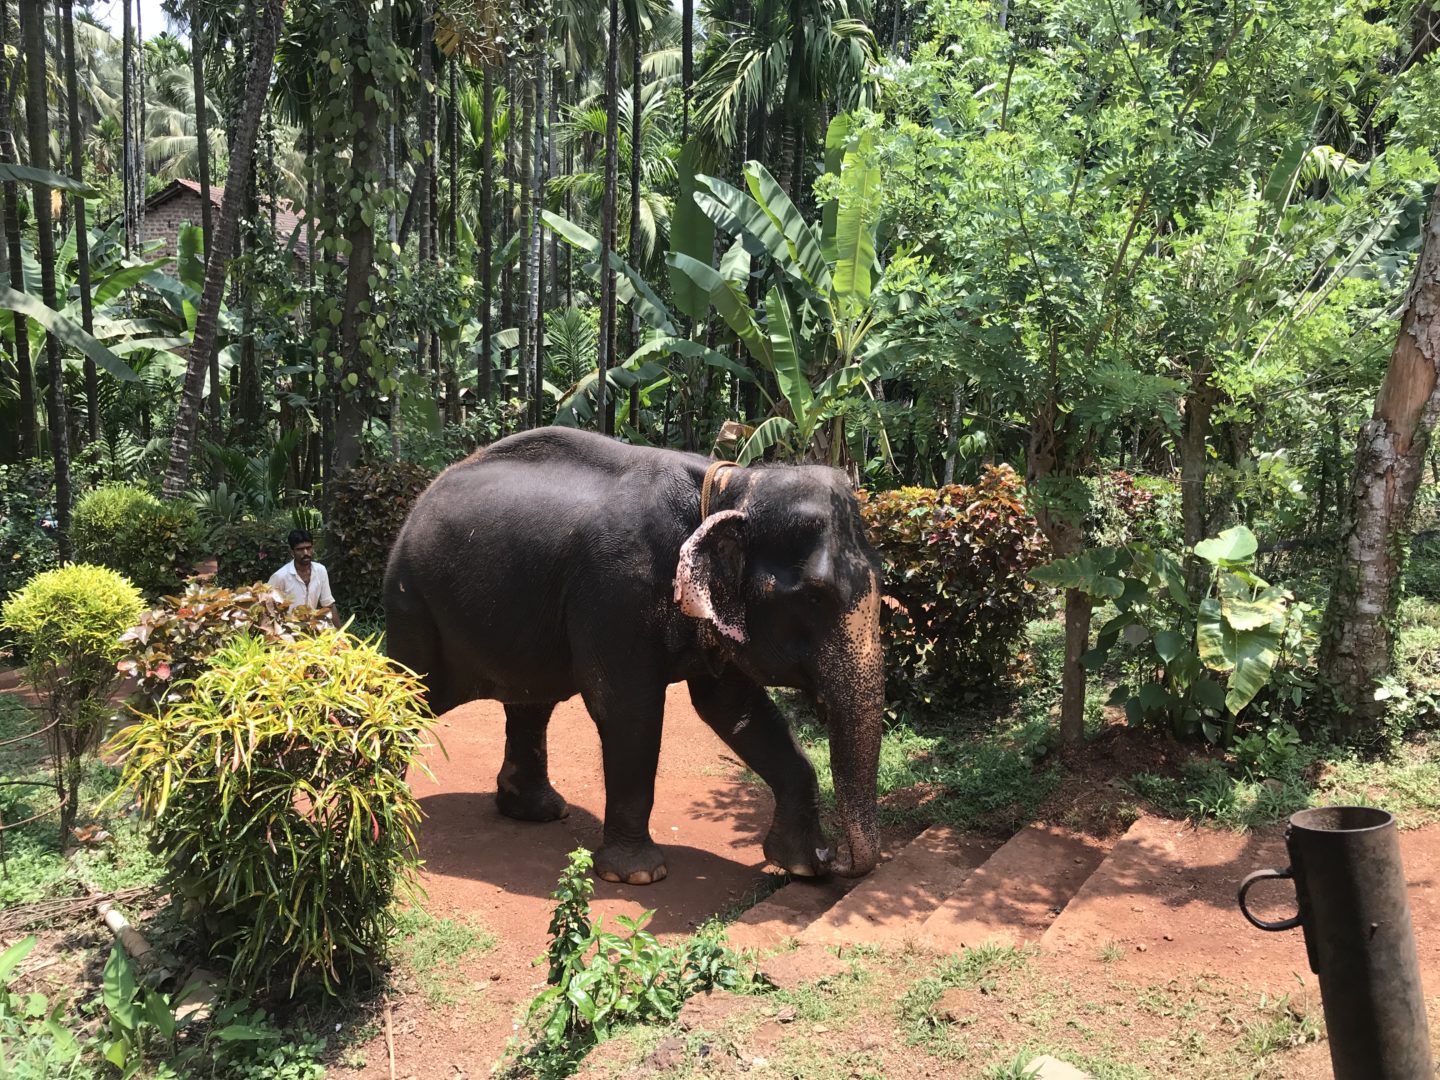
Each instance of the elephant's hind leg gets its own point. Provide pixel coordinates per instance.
(523, 788)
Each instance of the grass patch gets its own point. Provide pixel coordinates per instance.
(35, 866)
(432, 950)
(1279, 1024)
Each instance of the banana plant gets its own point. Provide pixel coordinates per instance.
(813, 333)
(649, 363)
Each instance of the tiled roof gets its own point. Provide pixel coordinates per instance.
(286, 219)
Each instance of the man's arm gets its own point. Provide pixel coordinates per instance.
(326, 598)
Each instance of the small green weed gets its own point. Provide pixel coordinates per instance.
(1110, 952)
(1280, 1025)
(978, 968)
(600, 981)
(432, 949)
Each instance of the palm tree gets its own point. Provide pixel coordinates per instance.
(82, 236)
(201, 105)
(583, 130)
(607, 218)
(24, 369)
(487, 224)
(257, 87)
(788, 55)
(32, 29)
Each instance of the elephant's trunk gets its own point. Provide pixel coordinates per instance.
(854, 677)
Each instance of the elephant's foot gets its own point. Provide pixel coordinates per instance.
(539, 802)
(798, 849)
(642, 865)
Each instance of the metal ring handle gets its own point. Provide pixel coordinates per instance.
(1265, 875)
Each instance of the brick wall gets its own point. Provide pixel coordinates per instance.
(163, 223)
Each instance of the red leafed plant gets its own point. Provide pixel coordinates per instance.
(173, 642)
(957, 562)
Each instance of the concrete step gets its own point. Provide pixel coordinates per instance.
(887, 906)
(785, 913)
(1017, 893)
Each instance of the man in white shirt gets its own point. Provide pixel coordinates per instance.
(303, 580)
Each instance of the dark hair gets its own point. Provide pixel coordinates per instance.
(298, 537)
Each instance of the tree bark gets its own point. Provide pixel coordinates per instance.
(257, 87)
(1389, 465)
(9, 152)
(82, 235)
(202, 156)
(637, 128)
(360, 235)
(537, 250)
(607, 220)
(487, 228)
(1194, 464)
(525, 99)
(37, 115)
(687, 65)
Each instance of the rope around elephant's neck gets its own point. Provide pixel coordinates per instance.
(708, 483)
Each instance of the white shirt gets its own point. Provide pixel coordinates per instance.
(316, 594)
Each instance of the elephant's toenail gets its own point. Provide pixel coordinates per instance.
(640, 877)
(610, 875)
(801, 870)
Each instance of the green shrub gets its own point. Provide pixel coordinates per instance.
(172, 643)
(1422, 568)
(277, 793)
(27, 543)
(247, 550)
(67, 623)
(368, 505)
(127, 529)
(957, 561)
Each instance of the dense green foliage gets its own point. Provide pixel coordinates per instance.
(26, 504)
(307, 742)
(957, 562)
(173, 642)
(368, 505)
(128, 529)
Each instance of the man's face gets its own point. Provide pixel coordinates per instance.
(303, 553)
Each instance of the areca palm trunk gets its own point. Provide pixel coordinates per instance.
(202, 156)
(82, 237)
(636, 127)
(487, 226)
(527, 161)
(607, 219)
(537, 269)
(242, 156)
(37, 115)
(687, 64)
(24, 369)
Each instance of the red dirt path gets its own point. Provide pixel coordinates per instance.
(502, 871)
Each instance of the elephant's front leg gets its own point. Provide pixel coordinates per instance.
(742, 714)
(629, 720)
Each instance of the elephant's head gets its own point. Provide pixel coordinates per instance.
(781, 569)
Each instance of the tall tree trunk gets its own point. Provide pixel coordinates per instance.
(1046, 460)
(487, 230)
(82, 236)
(1199, 404)
(37, 115)
(636, 139)
(1389, 465)
(423, 172)
(525, 86)
(687, 65)
(9, 152)
(127, 126)
(453, 139)
(607, 220)
(242, 155)
(507, 207)
(360, 237)
(552, 124)
(202, 157)
(537, 250)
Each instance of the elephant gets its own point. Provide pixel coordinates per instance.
(557, 561)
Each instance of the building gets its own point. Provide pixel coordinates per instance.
(178, 203)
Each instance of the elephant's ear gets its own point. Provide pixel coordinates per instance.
(708, 576)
